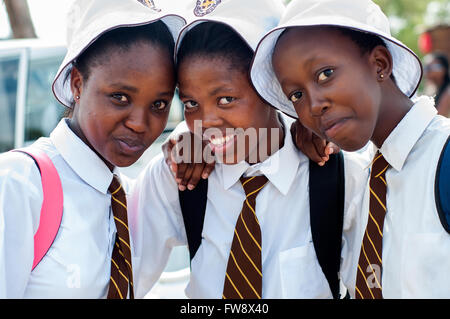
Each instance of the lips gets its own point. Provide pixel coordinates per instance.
(222, 143)
(130, 146)
(332, 125)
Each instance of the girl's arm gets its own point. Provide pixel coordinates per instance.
(314, 147)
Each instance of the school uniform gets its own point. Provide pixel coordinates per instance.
(290, 268)
(416, 247)
(78, 262)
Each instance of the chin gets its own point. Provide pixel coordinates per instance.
(351, 146)
(125, 161)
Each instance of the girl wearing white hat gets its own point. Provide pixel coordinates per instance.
(247, 247)
(334, 64)
(118, 78)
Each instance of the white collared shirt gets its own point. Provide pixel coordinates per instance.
(289, 264)
(416, 248)
(78, 263)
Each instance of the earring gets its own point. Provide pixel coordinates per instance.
(382, 76)
(77, 97)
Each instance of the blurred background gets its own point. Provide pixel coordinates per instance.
(32, 45)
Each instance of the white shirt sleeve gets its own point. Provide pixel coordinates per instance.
(156, 223)
(20, 205)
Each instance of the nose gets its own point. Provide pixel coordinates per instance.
(211, 118)
(318, 103)
(137, 120)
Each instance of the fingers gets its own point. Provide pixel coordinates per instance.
(313, 146)
(320, 147)
(183, 180)
(167, 148)
(209, 167)
(332, 148)
(195, 176)
(305, 143)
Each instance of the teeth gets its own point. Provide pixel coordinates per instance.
(221, 140)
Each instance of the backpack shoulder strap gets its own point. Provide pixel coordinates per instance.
(193, 207)
(442, 186)
(52, 205)
(326, 197)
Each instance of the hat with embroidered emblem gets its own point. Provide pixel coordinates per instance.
(251, 19)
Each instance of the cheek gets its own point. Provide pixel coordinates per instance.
(306, 119)
(95, 124)
(194, 122)
(157, 123)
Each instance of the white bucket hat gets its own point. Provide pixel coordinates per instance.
(251, 19)
(360, 15)
(89, 19)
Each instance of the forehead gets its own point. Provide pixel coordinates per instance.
(210, 68)
(310, 38)
(136, 57)
(306, 44)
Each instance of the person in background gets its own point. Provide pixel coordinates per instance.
(437, 73)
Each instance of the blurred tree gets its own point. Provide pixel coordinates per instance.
(20, 19)
(410, 18)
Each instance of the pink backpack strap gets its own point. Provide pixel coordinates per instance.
(52, 205)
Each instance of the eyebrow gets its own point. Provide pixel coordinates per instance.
(122, 86)
(219, 90)
(213, 92)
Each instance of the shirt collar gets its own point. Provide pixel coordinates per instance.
(88, 166)
(280, 168)
(402, 139)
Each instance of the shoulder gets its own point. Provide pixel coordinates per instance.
(355, 163)
(21, 192)
(438, 127)
(17, 166)
(156, 176)
(158, 169)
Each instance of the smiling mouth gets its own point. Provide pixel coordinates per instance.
(222, 143)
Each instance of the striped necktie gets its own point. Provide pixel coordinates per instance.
(243, 277)
(121, 268)
(368, 279)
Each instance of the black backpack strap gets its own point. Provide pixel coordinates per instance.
(326, 198)
(442, 186)
(193, 207)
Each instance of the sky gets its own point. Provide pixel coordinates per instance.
(48, 18)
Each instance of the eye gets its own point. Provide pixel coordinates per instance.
(325, 74)
(160, 105)
(226, 100)
(294, 97)
(190, 105)
(120, 98)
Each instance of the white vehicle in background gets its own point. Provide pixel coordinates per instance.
(28, 110)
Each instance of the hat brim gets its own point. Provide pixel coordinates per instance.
(407, 68)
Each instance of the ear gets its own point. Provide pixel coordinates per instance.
(381, 59)
(76, 83)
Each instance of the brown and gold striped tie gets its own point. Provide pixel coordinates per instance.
(243, 278)
(368, 279)
(121, 268)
